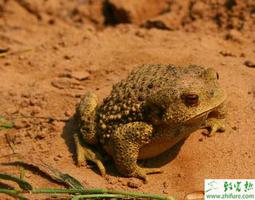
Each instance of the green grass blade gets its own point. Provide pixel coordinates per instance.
(5, 123)
(101, 192)
(61, 177)
(98, 196)
(72, 182)
(22, 184)
(50, 172)
(13, 193)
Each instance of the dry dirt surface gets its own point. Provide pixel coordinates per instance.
(57, 50)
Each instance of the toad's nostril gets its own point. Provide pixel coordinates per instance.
(217, 76)
(211, 93)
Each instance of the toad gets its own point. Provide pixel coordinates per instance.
(150, 111)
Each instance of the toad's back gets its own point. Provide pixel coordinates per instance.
(126, 103)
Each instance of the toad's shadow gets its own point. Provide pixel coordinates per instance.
(67, 134)
(71, 127)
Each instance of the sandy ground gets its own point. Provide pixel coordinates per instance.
(59, 50)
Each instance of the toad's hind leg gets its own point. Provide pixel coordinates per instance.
(86, 114)
(128, 139)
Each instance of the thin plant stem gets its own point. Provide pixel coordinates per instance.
(97, 196)
(102, 192)
(13, 193)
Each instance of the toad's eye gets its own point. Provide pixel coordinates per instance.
(190, 99)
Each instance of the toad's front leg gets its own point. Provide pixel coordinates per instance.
(127, 141)
(216, 120)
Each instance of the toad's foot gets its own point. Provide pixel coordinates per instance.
(216, 120)
(214, 125)
(84, 153)
(142, 172)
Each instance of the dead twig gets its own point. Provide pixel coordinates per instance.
(4, 54)
(46, 118)
(10, 142)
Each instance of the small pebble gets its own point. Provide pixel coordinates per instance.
(65, 75)
(59, 84)
(56, 159)
(195, 196)
(25, 95)
(227, 54)
(12, 93)
(234, 35)
(68, 113)
(59, 156)
(57, 126)
(12, 110)
(27, 175)
(21, 57)
(55, 47)
(249, 63)
(35, 110)
(51, 21)
(4, 50)
(19, 123)
(67, 57)
(165, 192)
(7, 63)
(40, 136)
(242, 55)
(155, 24)
(165, 184)
(133, 184)
(111, 180)
(205, 132)
(80, 75)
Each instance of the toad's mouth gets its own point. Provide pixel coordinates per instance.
(200, 117)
